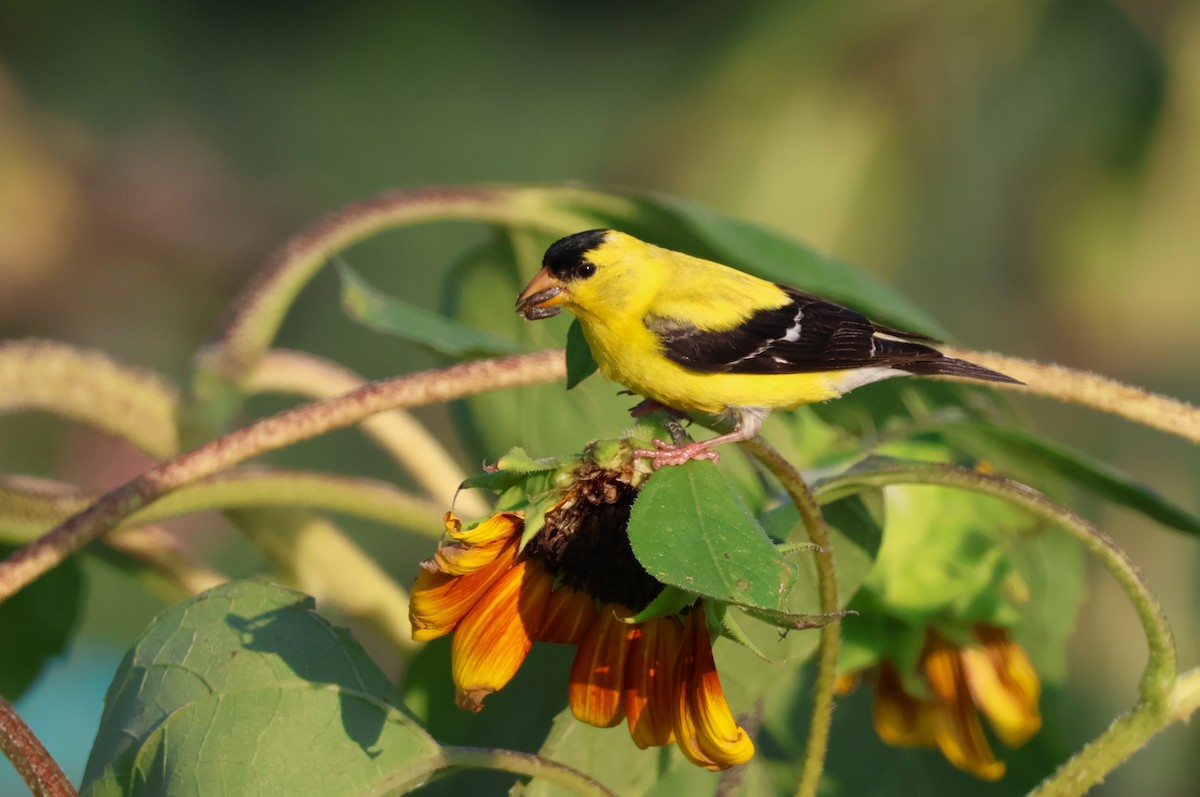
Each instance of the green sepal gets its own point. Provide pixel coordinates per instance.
(720, 616)
(671, 601)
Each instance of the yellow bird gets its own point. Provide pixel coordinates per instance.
(695, 336)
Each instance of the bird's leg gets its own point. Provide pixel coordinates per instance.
(665, 453)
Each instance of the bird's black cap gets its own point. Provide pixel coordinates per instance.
(564, 255)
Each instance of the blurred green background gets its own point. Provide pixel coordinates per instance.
(1028, 172)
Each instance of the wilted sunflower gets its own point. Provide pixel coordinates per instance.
(992, 676)
(577, 582)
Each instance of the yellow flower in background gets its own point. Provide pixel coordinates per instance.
(993, 676)
(577, 582)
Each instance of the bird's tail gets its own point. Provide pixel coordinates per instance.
(949, 366)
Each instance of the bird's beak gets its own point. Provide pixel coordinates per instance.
(542, 297)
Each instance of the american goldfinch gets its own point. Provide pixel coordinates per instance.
(695, 336)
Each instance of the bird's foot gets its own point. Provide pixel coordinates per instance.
(649, 406)
(665, 453)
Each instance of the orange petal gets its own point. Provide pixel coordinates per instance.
(568, 616)
(901, 720)
(440, 601)
(846, 683)
(1003, 685)
(598, 673)
(492, 640)
(956, 726)
(651, 682)
(705, 729)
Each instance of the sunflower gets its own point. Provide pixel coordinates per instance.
(577, 582)
(991, 674)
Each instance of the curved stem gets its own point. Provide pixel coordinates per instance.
(1161, 668)
(827, 658)
(398, 433)
(30, 758)
(253, 321)
(28, 506)
(525, 764)
(1091, 390)
(269, 434)
(1123, 738)
(137, 405)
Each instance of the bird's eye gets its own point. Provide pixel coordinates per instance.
(585, 270)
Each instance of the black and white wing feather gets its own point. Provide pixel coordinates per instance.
(806, 335)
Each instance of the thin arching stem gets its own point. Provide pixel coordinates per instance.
(818, 532)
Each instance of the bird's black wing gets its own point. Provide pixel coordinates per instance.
(807, 334)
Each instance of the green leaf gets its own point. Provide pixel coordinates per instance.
(36, 624)
(245, 689)
(580, 363)
(994, 442)
(690, 530)
(414, 324)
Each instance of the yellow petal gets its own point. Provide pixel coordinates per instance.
(460, 559)
(502, 526)
(1004, 686)
(597, 681)
(956, 726)
(440, 600)
(901, 720)
(651, 681)
(705, 730)
(493, 639)
(960, 738)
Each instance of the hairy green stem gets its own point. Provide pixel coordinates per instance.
(251, 325)
(89, 387)
(269, 434)
(525, 764)
(818, 531)
(29, 757)
(1091, 390)
(398, 433)
(29, 506)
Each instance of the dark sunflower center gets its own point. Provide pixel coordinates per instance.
(585, 543)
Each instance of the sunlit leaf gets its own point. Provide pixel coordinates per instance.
(246, 689)
(415, 324)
